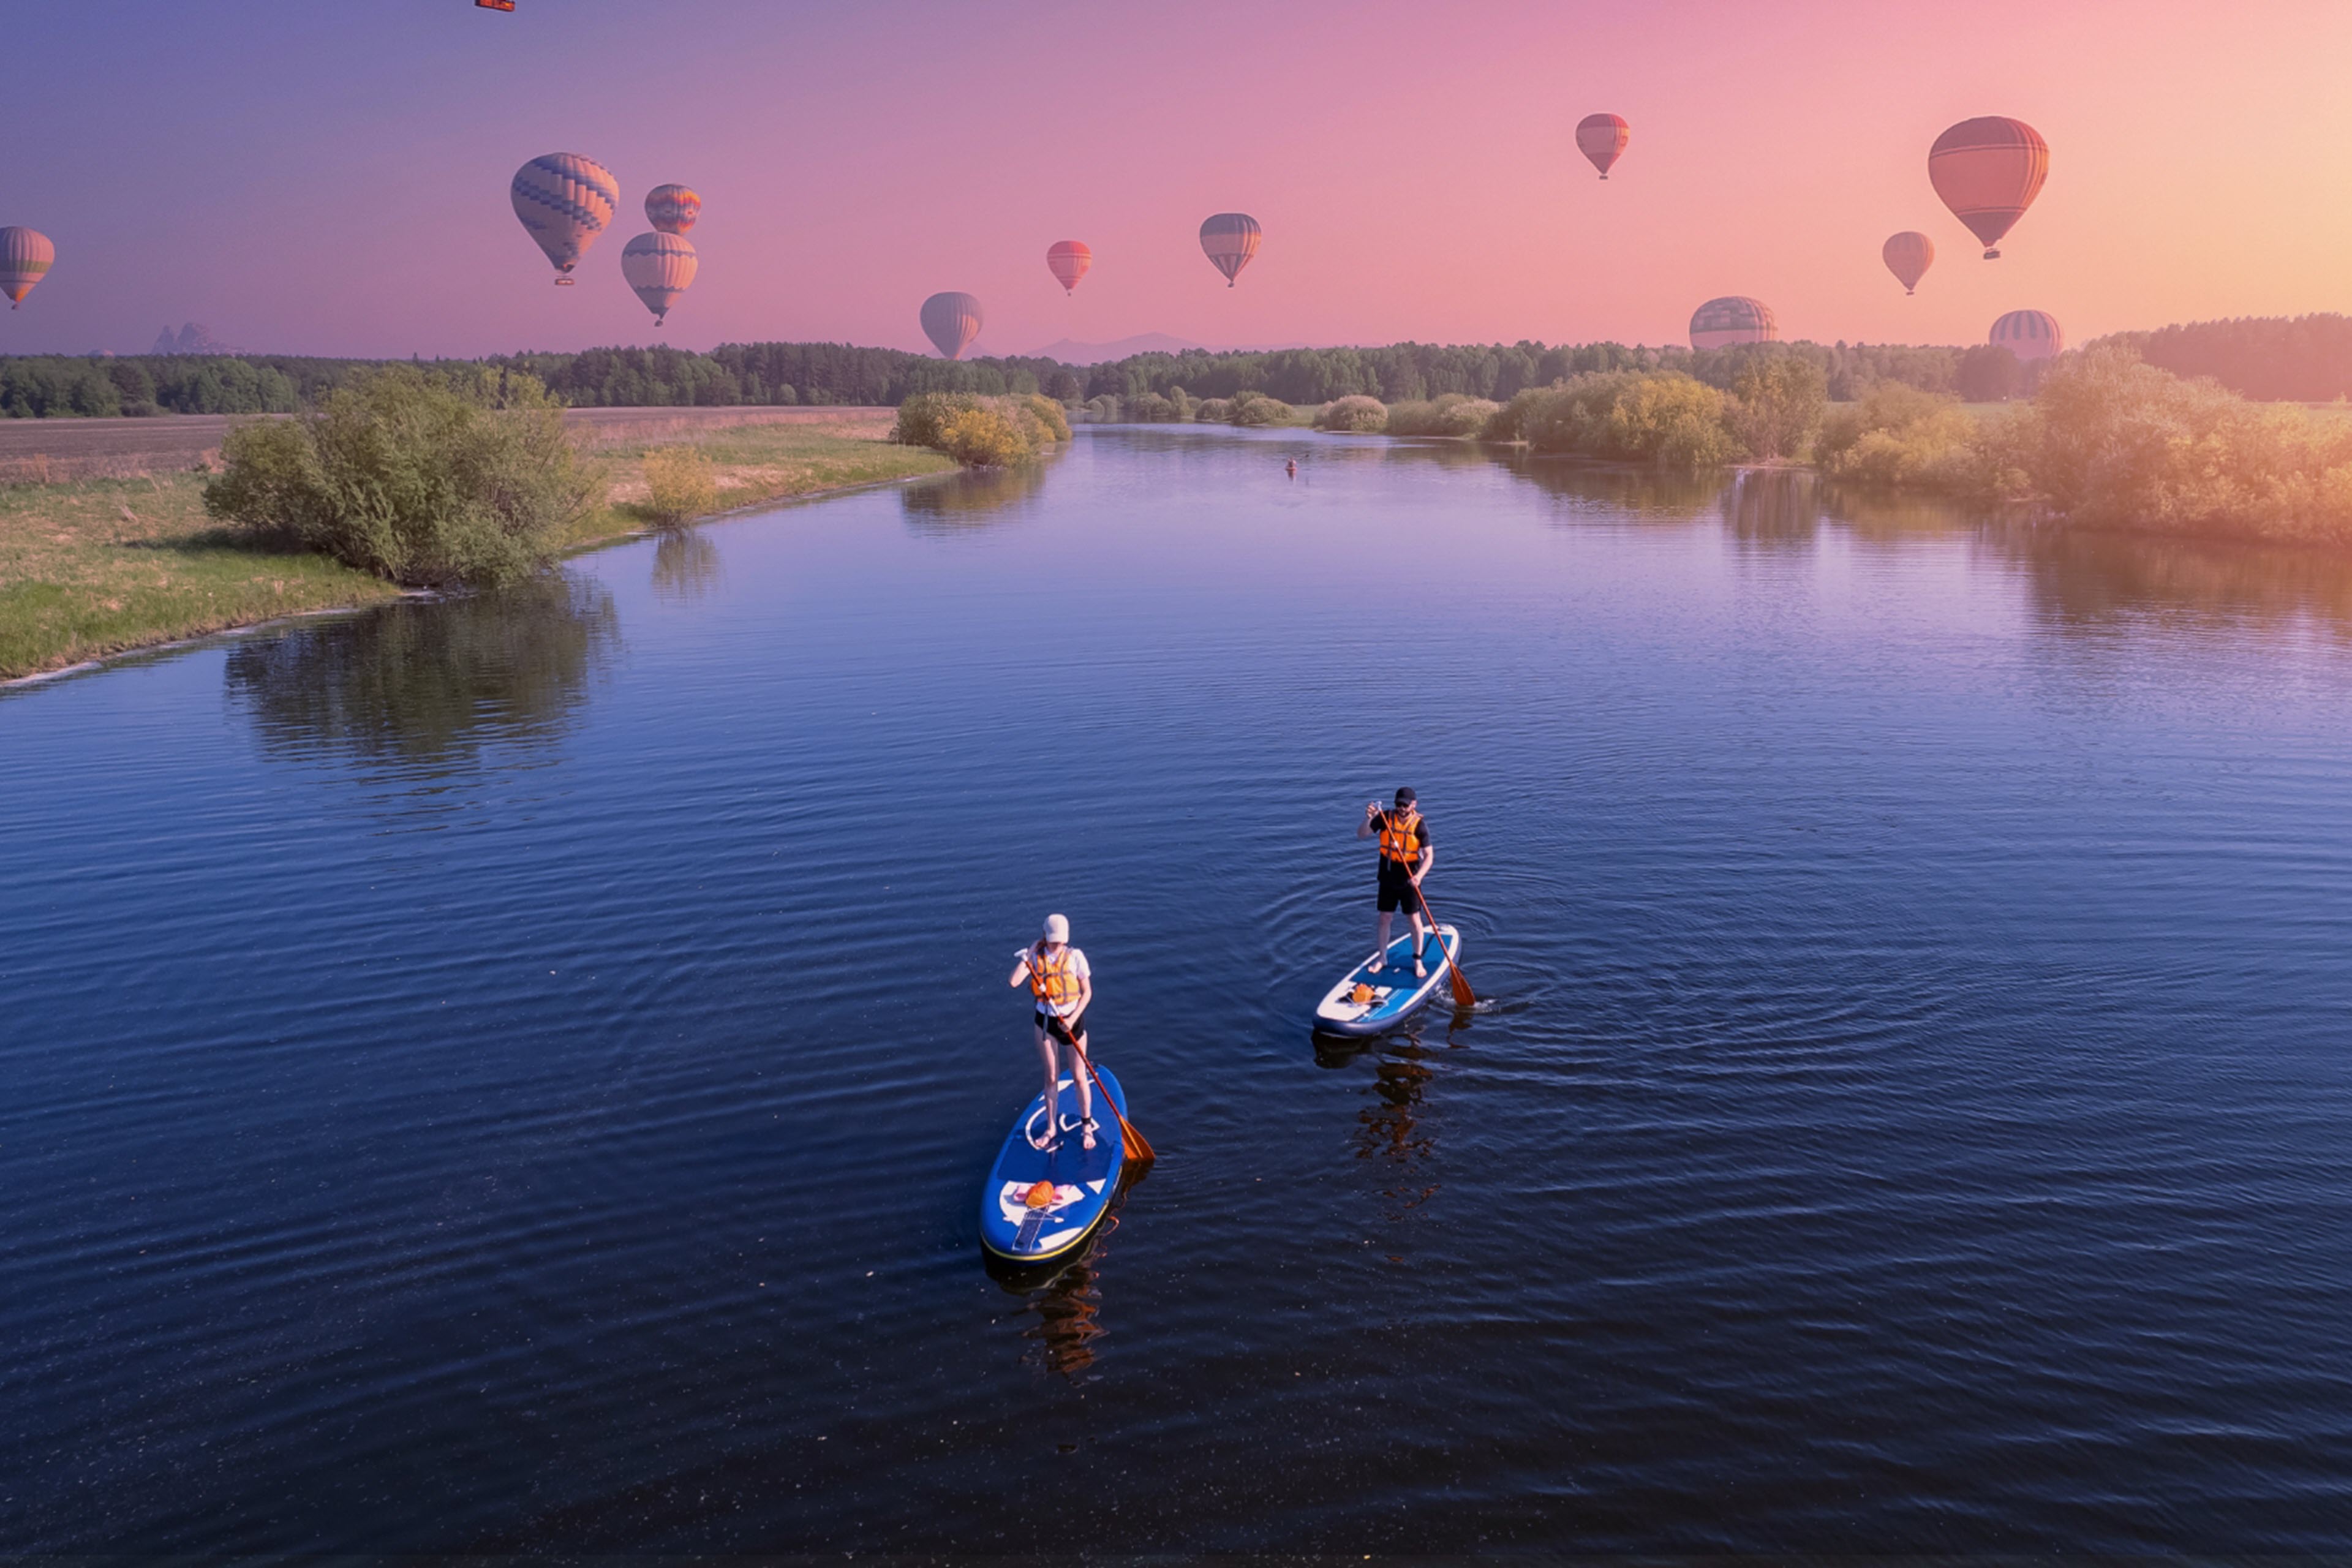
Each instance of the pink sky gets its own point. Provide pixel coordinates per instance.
(331, 177)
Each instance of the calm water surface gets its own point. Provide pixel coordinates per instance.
(514, 1076)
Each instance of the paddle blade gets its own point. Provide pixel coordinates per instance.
(1463, 995)
(1138, 1148)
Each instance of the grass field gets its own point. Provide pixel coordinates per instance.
(96, 566)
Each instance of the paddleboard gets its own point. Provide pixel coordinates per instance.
(1020, 1220)
(1373, 1002)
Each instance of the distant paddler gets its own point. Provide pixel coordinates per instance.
(1406, 855)
(1063, 983)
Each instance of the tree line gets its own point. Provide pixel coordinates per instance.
(2306, 358)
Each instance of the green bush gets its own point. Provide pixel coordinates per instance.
(1213, 411)
(2110, 442)
(679, 485)
(1452, 413)
(1359, 414)
(424, 477)
(1661, 417)
(921, 417)
(1255, 410)
(1048, 414)
(1150, 408)
(1777, 405)
(1900, 437)
(986, 438)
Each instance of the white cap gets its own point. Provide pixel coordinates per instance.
(1057, 928)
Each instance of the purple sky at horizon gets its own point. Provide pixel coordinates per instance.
(332, 178)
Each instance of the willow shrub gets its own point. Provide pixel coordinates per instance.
(2110, 442)
(1257, 411)
(679, 485)
(1661, 417)
(425, 477)
(1358, 413)
(1449, 413)
(1898, 437)
(982, 432)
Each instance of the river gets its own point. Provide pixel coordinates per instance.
(516, 1076)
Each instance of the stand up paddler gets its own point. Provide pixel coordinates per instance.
(1406, 855)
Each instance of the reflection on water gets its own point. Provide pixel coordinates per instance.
(973, 496)
(431, 682)
(1066, 1299)
(1772, 511)
(2095, 581)
(686, 566)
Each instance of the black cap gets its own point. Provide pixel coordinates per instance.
(1406, 797)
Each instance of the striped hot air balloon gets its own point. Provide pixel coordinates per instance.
(1067, 260)
(672, 209)
(1988, 170)
(659, 268)
(1908, 255)
(1734, 318)
(2029, 334)
(564, 202)
(1230, 239)
(1603, 138)
(951, 320)
(25, 258)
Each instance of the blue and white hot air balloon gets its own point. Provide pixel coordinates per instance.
(564, 202)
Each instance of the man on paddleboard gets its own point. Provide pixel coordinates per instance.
(1064, 985)
(1406, 857)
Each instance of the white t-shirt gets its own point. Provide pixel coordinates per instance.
(1074, 962)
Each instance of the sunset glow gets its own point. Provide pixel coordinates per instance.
(333, 179)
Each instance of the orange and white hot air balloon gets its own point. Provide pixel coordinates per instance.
(1988, 170)
(25, 256)
(672, 209)
(951, 320)
(1230, 239)
(1067, 260)
(1603, 138)
(1908, 255)
(659, 268)
(564, 202)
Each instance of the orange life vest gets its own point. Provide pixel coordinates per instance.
(1055, 980)
(1400, 838)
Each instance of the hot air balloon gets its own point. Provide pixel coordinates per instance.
(1908, 255)
(951, 320)
(25, 258)
(565, 201)
(672, 209)
(1988, 170)
(1603, 138)
(2029, 334)
(1230, 239)
(659, 268)
(1734, 318)
(1067, 260)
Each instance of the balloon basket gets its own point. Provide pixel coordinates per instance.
(563, 283)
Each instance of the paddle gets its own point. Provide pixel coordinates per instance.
(1463, 995)
(1139, 1148)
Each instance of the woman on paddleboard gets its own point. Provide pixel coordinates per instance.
(1059, 977)
(1406, 857)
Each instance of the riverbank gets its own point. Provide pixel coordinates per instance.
(102, 564)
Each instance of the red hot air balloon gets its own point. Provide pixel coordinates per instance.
(1603, 138)
(672, 209)
(2029, 334)
(26, 257)
(1908, 255)
(1067, 260)
(1230, 240)
(951, 320)
(1988, 170)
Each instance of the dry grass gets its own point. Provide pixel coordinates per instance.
(752, 463)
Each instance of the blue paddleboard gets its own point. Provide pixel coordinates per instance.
(1373, 1002)
(1083, 1180)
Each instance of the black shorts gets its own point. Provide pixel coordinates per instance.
(1396, 889)
(1062, 1029)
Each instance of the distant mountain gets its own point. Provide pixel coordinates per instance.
(193, 338)
(1071, 352)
